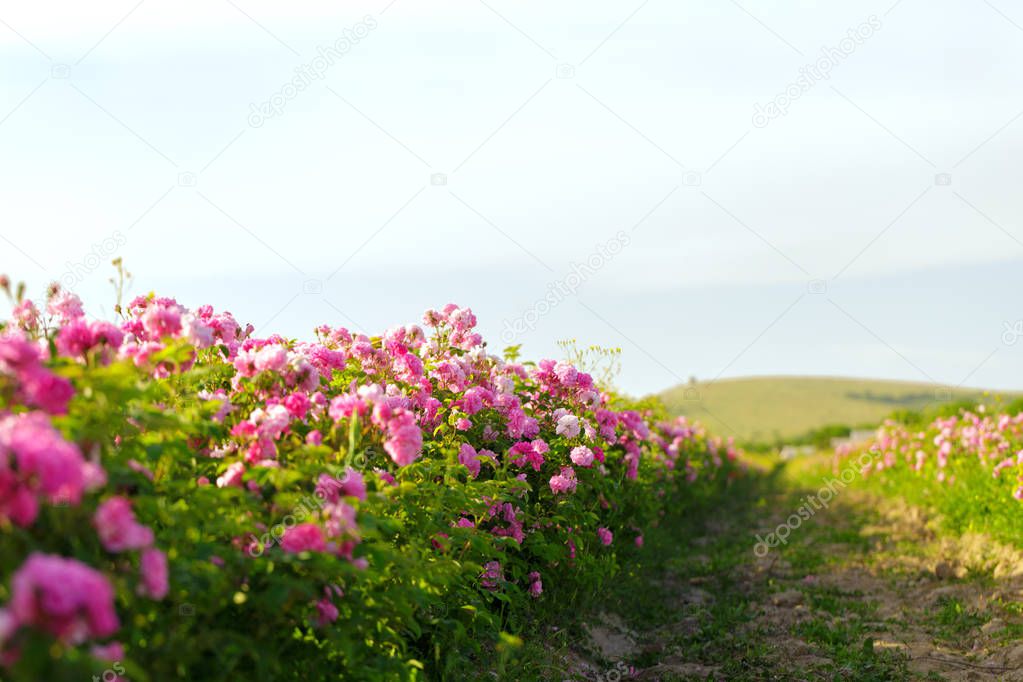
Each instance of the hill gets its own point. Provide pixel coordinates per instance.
(768, 409)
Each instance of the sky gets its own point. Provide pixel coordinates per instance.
(721, 189)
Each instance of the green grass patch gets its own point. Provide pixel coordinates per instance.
(954, 623)
(849, 645)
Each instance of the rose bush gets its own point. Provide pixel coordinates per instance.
(187, 501)
(970, 440)
(963, 461)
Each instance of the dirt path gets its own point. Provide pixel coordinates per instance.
(865, 589)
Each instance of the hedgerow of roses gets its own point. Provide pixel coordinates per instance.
(993, 442)
(188, 500)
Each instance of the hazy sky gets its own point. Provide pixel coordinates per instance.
(475, 151)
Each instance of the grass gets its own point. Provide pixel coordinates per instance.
(774, 409)
(955, 622)
(838, 631)
(637, 595)
(695, 550)
(850, 646)
(837, 602)
(643, 602)
(853, 633)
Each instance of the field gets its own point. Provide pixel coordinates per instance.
(181, 499)
(775, 409)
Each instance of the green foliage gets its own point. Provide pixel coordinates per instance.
(604, 364)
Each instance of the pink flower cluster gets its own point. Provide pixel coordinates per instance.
(38, 465)
(63, 597)
(117, 528)
(994, 442)
(564, 482)
(119, 532)
(524, 454)
(535, 584)
(78, 337)
(509, 514)
(21, 361)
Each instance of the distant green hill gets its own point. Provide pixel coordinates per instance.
(766, 409)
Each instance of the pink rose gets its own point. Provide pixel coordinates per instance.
(154, 574)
